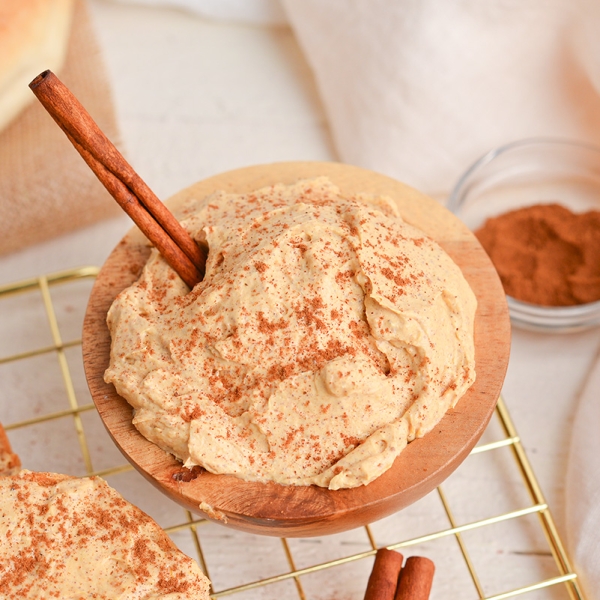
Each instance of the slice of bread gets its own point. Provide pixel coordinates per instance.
(33, 37)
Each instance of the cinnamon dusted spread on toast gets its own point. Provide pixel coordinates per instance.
(66, 537)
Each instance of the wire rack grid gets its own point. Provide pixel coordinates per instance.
(497, 549)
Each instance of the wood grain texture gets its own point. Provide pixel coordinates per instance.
(292, 511)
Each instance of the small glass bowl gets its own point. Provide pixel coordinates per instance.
(524, 173)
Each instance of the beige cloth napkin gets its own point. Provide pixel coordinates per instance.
(419, 89)
(45, 187)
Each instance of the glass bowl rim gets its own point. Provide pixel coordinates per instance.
(534, 316)
(454, 198)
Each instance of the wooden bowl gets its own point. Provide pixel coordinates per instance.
(292, 511)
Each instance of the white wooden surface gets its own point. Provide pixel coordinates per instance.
(197, 97)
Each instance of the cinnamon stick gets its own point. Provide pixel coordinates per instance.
(384, 575)
(416, 579)
(153, 218)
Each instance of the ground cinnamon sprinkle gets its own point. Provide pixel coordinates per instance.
(546, 254)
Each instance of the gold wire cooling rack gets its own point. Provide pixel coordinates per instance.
(489, 529)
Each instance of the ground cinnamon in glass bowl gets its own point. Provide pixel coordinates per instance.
(546, 254)
(535, 207)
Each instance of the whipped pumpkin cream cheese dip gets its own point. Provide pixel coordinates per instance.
(326, 335)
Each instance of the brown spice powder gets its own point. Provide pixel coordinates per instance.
(546, 254)
(88, 519)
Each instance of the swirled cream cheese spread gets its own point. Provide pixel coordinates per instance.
(326, 334)
(70, 538)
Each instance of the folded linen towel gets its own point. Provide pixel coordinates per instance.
(419, 89)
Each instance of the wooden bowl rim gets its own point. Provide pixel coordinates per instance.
(292, 511)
